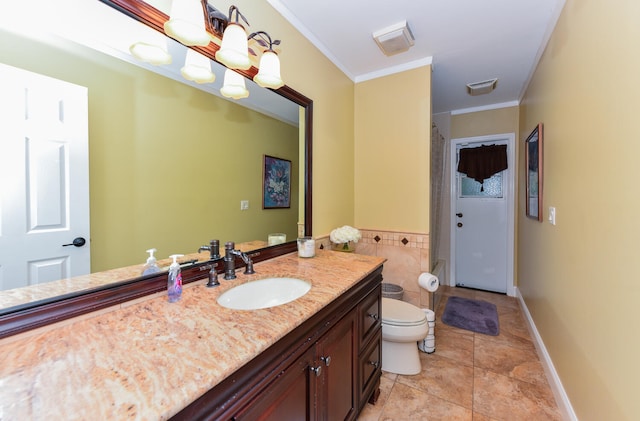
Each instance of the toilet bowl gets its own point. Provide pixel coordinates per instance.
(403, 325)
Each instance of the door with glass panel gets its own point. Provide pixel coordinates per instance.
(481, 245)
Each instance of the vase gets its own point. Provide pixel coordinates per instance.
(347, 247)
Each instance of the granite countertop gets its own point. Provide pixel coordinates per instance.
(148, 359)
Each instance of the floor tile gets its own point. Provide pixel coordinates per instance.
(455, 345)
(407, 403)
(505, 398)
(522, 364)
(444, 378)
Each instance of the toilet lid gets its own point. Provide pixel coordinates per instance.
(401, 313)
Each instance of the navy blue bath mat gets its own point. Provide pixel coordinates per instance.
(474, 315)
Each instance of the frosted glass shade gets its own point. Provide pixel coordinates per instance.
(233, 86)
(150, 53)
(186, 23)
(197, 68)
(234, 49)
(269, 73)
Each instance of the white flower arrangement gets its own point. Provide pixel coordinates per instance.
(345, 234)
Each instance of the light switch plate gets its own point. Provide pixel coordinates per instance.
(552, 215)
(244, 204)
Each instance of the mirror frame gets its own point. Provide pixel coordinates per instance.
(533, 172)
(40, 313)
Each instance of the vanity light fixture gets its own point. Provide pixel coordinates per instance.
(197, 23)
(186, 23)
(234, 86)
(268, 75)
(234, 49)
(197, 68)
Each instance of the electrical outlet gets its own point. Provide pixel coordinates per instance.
(552, 215)
(244, 204)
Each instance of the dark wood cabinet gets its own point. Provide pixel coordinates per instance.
(336, 393)
(326, 369)
(289, 397)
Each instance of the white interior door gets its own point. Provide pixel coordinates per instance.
(44, 198)
(482, 222)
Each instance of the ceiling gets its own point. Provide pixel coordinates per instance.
(465, 41)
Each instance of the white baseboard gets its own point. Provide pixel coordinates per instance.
(552, 375)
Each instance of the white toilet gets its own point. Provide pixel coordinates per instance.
(403, 325)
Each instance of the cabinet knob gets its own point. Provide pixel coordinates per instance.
(374, 316)
(317, 370)
(374, 363)
(326, 360)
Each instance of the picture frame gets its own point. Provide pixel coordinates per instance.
(533, 173)
(276, 183)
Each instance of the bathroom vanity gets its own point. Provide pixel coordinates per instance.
(317, 357)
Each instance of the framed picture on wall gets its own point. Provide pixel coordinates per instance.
(276, 183)
(533, 159)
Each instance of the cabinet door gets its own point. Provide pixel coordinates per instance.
(290, 397)
(370, 369)
(336, 354)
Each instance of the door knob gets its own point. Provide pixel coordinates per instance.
(459, 224)
(459, 214)
(78, 242)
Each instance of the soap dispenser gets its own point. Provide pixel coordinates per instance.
(151, 266)
(174, 280)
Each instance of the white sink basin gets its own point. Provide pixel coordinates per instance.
(264, 293)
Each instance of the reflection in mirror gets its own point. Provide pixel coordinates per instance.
(169, 164)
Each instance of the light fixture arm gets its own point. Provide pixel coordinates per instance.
(238, 15)
(264, 40)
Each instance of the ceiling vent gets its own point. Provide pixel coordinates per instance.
(484, 87)
(394, 39)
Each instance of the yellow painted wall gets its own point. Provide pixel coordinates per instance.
(580, 278)
(392, 152)
(481, 123)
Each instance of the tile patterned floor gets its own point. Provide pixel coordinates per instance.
(471, 376)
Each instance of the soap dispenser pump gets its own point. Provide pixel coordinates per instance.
(174, 280)
(151, 266)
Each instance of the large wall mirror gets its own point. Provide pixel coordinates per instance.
(169, 162)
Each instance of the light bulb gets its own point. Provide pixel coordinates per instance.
(234, 86)
(234, 49)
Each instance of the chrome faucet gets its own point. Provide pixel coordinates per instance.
(214, 249)
(230, 261)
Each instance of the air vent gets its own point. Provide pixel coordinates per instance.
(484, 87)
(394, 39)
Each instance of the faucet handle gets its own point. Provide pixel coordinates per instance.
(249, 268)
(215, 249)
(213, 277)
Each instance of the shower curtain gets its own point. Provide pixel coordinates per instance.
(438, 161)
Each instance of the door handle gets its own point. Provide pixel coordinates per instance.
(78, 242)
(326, 360)
(459, 224)
(459, 214)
